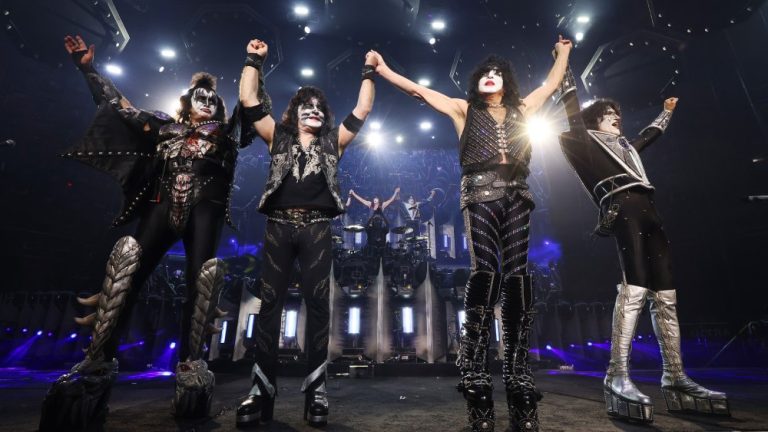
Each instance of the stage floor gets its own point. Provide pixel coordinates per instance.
(572, 402)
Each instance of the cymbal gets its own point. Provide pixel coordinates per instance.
(354, 228)
(402, 230)
(417, 239)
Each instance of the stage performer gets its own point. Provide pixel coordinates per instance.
(612, 173)
(300, 198)
(377, 226)
(176, 176)
(494, 153)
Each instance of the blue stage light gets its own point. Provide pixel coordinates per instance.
(589, 343)
(39, 332)
(640, 337)
(24, 330)
(573, 346)
(549, 347)
(172, 345)
(73, 335)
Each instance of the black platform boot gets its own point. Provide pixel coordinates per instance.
(316, 397)
(517, 319)
(260, 404)
(476, 384)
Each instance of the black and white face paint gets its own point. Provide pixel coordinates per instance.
(311, 115)
(204, 103)
(490, 82)
(610, 122)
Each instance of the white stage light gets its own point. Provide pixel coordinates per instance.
(408, 320)
(425, 125)
(579, 36)
(223, 336)
(307, 30)
(374, 139)
(432, 41)
(587, 104)
(249, 327)
(583, 19)
(539, 129)
(399, 139)
(354, 321)
(438, 25)
(291, 317)
(113, 69)
(375, 125)
(301, 10)
(167, 53)
(462, 317)
(425, 82)
(307, 72)
(161, 69)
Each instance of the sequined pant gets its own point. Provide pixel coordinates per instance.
(283, 244)
(497, 234)
(642, 242)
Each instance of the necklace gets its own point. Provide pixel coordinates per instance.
(495, 105)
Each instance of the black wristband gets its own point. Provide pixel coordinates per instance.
(352, 123)
(255, 113)
(85, 68)
(254, 60)
(369, 71)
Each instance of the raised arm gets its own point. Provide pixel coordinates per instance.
(454, 108)
(536, 98)
(395, 196)
(249, 91)
(654, 130)
(362, 200)
(354, 122)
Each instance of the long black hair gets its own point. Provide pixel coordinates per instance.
(290, 119)
(593, 114)
(208, 82)
(511, 92)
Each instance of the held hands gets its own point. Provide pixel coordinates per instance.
(563, 46)
(256, 46)
(371, 59)
(380, 64)
(670, 104)
(76, 45)
(351, 192)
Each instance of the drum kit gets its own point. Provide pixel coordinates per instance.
(414, 247)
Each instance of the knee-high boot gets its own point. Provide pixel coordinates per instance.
(78, 400)
(622, 398)
(681, 393)
(476, 384)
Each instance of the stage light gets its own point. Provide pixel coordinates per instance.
(446, 241)
(587, 104)
(73, 335)
(425, 82)
(161, 69)
(301, 10)
(291, 317)
(223, 336)
(640, 337)
(375, 125)
(539, 129)
(307, 30)
(113, 69)
(374, 139)
(496, 327)
(462, 317)
(549, 347)
(50, 334)
(166, 373)
(173, 106)
(464, 241)
(39, 333)
(408, 320)
(24, 330)
(168, 53)
(307, 72)
(399, 139)
(583, 19)
(579, 36)
(249, 326)
(572, 346)
(354, 321)
(432, 41)
(425, 125)
(172, 345)
(438, 25)
(589, 343)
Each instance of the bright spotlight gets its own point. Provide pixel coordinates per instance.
(223, 336)
(549, 347)
(579, 36)
(173, 106)
(301, 10)
(161, 69)
(374, 139)
(399, 139)
(291, 318)
(438, 25)
(587, 104)
(432, 41)
(407, 320)
(307, 30)
(250, 326)
(583, 19)
(425, 125)
(172, 345)
(73, 335)
(167, 53)
(462, 316)
(425, 82)
(354, 321)
(539, 129)
(39, 333)
(496, 327)
(375, 125)
(113, 69)
(307, 72)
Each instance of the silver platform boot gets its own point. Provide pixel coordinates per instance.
(622, 398)
(681, 393)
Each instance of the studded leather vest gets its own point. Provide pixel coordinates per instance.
(282, 163)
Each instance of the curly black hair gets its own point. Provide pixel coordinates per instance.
(593, 114)
(511, 91)
(208, 82)
(290, 119)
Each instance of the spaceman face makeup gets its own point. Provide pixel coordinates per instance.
(204, 103)
(491, 82)
(610, 122)
(311, 115)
